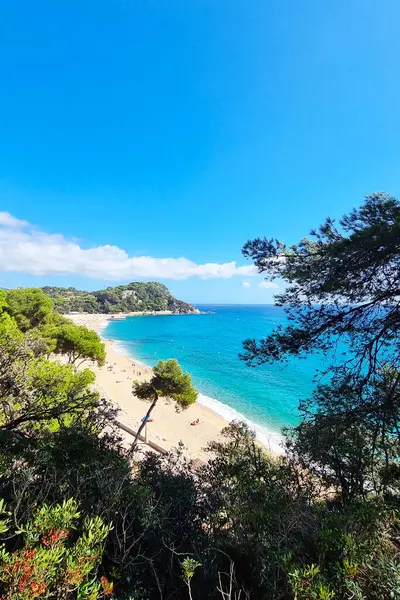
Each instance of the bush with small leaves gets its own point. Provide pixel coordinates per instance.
(51, 561)
(189, 566)
(307, 584)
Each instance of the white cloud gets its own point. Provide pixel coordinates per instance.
(8, 220)
(268, 285)
(25, 249)
(246, 283)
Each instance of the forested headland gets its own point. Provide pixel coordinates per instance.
(81, 517)
(133, 297)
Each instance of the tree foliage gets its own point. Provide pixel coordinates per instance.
(31, 312)
(350, 438)
(342, 299)
(28, 306)
(342, 284)
(168, 381)
(78, 343)
(343, 295)
(35, 391)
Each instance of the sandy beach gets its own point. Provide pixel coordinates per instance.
(114, 381)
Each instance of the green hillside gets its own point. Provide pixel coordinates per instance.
(135, 296)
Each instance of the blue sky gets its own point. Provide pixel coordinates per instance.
(174, 129)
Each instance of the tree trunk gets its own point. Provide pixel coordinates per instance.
(143, 424)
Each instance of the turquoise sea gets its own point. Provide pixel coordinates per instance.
(207, 346)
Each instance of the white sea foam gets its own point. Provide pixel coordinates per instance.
(120, 348)
(123, 350)
(270, 439)
(101, 328)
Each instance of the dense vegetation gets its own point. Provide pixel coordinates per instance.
(82, 519)
(133, 297)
